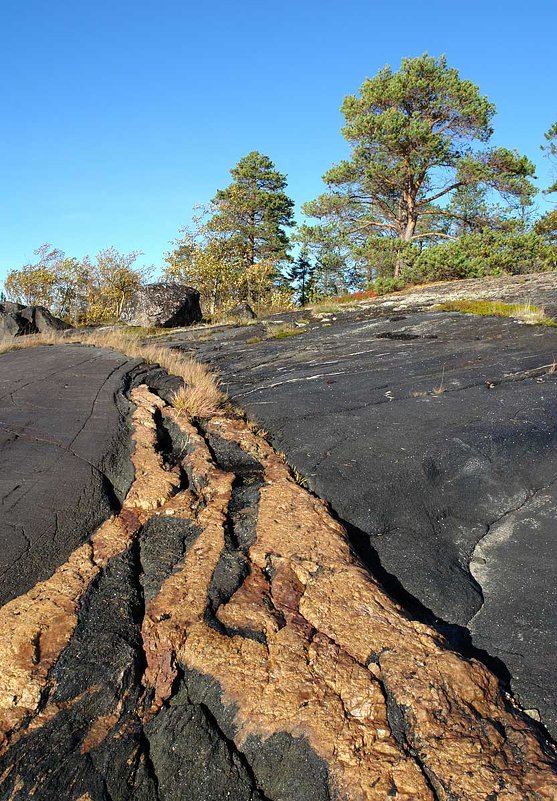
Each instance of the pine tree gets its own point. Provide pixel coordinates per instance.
(416, 138)
(254, 211)
(301, 276)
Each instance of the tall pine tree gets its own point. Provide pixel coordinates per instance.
(415, 138)
(253, 212)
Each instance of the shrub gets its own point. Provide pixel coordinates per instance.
(488, 253)
(382, 286)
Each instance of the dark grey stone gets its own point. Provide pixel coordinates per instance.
(9, 327)
(422, 431)
(163, 305)
(64, 455)
(18, 320)
(9, 307)
(242, 312)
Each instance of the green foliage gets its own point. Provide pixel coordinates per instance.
(482, 254)
(414, 136)
(335, 266)
(533, 315)
(253, 211)
(546, 226)
(301, 276)
(382, 286)
(551, 149)
(237, 243)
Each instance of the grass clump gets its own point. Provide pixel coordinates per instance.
(284, 331)
(140, 332)
(526, 312)
(199, 397)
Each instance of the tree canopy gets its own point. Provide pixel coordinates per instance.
(421, 196)
(80, 291)
(237, 243)
(415, 138)
(253, 212)
(551, 150)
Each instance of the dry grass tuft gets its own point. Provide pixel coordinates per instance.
(199, 397)
(202, 400)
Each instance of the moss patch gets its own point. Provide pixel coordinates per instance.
(526, 312)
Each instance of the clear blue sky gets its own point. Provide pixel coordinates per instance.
(119, 116)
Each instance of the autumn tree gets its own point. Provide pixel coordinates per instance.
(417, 137)
(77, 289)
(114, 279)
(54, 280)
(205, 266)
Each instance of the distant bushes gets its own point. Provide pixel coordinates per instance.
(476, 255)
(482, 254)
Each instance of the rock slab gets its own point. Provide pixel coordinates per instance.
(219, 638)
(425, 431)
(64, 455)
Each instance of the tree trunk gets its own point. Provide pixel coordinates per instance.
(398, 264)
(214, 296)
(407, 235)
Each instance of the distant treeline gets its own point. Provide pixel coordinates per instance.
(422, 197)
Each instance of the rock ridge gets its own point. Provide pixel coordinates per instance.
(218, 638)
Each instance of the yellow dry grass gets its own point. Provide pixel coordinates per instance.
(199, 397)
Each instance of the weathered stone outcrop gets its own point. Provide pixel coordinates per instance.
(433, 436)
(219, 638)
(64, 454)
(18, 320)
(163, 305)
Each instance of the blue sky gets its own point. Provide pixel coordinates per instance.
(119, 116)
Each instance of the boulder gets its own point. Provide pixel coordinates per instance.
(8, 325)
(163, 306)
(18, 320)
(9, 307)
(241, 312)
(38, 320)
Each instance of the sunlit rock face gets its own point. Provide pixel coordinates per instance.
(217, 637)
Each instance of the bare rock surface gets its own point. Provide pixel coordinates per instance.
(434, 438)
(538, 289)
(163, 305)
(64, 455)
(218, 637)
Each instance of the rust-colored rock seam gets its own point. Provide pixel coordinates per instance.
(381, 698)
(256, 628)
